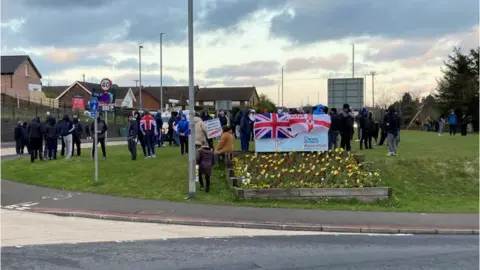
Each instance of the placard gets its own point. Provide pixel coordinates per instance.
(78, 103)
(213, 127)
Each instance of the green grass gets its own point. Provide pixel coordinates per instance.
(430, 174)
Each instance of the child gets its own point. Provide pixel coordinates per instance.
(183, 129)
(205, 161)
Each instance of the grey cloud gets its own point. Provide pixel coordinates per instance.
(201, 83)
(258, 82)
(46, 66)
(251, 69)
(334, 19)
(67, 4)
(401, 50)
(334, 62)
(147, 80)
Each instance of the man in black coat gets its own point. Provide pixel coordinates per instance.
(346, 127)
(334, 131)
(35, 139)
(77, 135)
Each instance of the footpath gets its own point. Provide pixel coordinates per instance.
(16, 196)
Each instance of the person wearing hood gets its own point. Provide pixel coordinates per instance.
(132, 129)
(141, 137)
(148, 127)
(25, 138)
(201, 137)
(101, 131)
(35, 139)
(334, 130)
(251, 117)
(204, 115)
(51, 133)
(245, 130)
(366, 125)
(66, 130)
(77, 135)
(346, 127)
(18, 136)
(224, 121)
(225, 145)
(171, 131)
(44, 135)
(392, 126)
(452, 121)
(159, 122)
(183, 130)
(205, 161)
(88, 132)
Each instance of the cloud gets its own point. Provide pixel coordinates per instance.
(257, 82)
(333, 62)
(250, 69)
(127, 79)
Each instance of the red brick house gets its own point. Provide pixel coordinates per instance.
(240, 96)
(19, 76)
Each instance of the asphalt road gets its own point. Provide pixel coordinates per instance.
(270, 252)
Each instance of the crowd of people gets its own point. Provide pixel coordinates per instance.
(40, 139)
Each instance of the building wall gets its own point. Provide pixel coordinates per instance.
(66, 100)
(149, 102)
(17, 84)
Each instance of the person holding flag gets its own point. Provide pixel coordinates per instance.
(148, 126)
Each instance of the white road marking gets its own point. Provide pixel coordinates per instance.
(21, 206)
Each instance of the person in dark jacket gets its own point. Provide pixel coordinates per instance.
(66, 129)
(44, 135)
(25, 138)
(245, 130)
(35, 139)
(346, 127)
(205, 162)
(383, 130)
(223, 118)
(141, 137)
(392, 127)
(88, 132)
(366, 124)
(334, 130)
(132, 136)
(77, 135)
(171, 123)
(101, 131)
(159, 121)
(464, 124)
(51, 134)
(18, 136)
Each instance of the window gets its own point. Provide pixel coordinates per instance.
(208, 103)
(26, 70)
(236, 103)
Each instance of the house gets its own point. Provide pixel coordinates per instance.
(151, 96)
(20, 76)
(240, 96)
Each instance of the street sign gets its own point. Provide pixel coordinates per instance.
(93, 114)
(107, 108)
(93, 104)
(106, 84)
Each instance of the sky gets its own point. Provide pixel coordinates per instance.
(244, 42)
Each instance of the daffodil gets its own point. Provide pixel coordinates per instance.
(308, 171)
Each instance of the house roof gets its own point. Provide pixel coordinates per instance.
(54, 90)
(226, 93)
(179, 93)
(11, 63)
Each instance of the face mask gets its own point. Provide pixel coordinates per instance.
(251, 116)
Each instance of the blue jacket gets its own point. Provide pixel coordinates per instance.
(452, 119)
(183, 127)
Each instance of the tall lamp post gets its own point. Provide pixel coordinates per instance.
(373, 73)
(161, 72)
(191, 104)
(282, 87)
(140, 75)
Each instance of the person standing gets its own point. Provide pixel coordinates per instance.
(25, 138)
(346, 128)
(171, 123)
(392, 124)
(205, 162)
(245, 131)
(51, 134)
(87, 130)
(452, 121)
(441, 125)
(132, 136)
(201, 137)
(66, 130)
(148, 127)
(224, 121)
(18, 136)
(77, 135)
(159, 121)
(101, 131)
(334, 129)
(464, 124)
(183, 131)
(35, 140)
(141, 137)
(383, 130)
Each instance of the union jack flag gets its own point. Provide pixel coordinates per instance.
(272, 126)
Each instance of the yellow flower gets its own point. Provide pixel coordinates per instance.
(308, 171)
(299, 170)
(276, 168)
(376, 174)
(323, 169)
(317, 174)
(336, 150)
(313, 167)
(278, 175)
(272, 176)
(292, 170)
(262, 172)
(335, 172)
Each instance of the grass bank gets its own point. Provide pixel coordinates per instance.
(430, 174)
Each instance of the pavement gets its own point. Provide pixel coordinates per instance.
(334, 252)
(17, 196)
(11, 144)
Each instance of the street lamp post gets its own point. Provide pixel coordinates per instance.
(373, 73)
(140, 75)
(191, 104)
(161, 72)
(282, 87)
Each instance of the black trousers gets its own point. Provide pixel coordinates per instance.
(383, 136)
(36, 149)
(207, 179)
(25, 145)
(210, 143)
(76, 141)
(183, 145)
(19, 146)
(453, 129)
(345, 141)
(464, 129)
(132, 147)
(141, 139)
(366, 139)
(102, 145)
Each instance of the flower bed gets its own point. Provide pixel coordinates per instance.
(332, 174)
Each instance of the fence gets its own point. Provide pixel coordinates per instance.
(25, 108)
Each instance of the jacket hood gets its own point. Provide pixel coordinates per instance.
(197, 119)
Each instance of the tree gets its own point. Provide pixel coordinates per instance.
(264, 103)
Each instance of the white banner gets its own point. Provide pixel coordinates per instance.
(213, 127)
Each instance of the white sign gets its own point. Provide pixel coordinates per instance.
(106, 84)
(213, 127)
(106, 108)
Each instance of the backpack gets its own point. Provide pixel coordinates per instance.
(65, 128)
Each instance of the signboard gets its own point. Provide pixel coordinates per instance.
(105, 95)
(287, 133)
(213, 127)
(78, 102)
(346, 90)
(225, 105)
(93, 104)
(105, 84)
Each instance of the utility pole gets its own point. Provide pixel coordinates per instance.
(282, 86)
(353, 60)
(365, 90)
(373, 73)
(140, 75)
(83, 77)
(191, 104)
(278, 94)
(161, 72)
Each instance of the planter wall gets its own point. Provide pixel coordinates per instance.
(370, 194)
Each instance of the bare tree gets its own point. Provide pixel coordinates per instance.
(383, 99)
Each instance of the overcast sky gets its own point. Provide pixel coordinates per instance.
(243, 42)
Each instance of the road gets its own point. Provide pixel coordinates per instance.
(258, 252)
